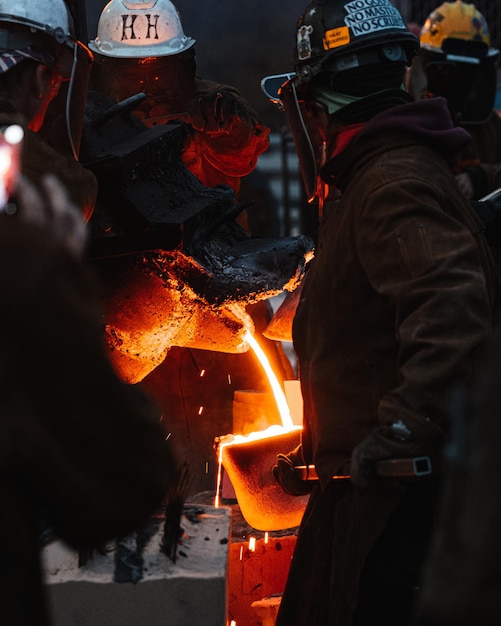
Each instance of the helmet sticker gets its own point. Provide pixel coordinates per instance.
(371, 16)
(149, 27)
(336, 37)
(303, 42)
(478, 26)
(140, 29)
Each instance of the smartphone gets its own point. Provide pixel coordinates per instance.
(11, 144)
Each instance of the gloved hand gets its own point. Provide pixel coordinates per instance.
(218, 113)
(285, 476)
(412, 438)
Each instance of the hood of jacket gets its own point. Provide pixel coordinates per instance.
(421, 122)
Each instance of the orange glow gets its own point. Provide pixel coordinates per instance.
(248, 461)
(283, 407)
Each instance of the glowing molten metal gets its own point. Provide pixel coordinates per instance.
(249, 459)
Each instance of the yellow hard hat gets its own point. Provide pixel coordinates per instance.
(454, 20)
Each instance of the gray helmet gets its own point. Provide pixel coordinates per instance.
(140, 29)
(30, 24)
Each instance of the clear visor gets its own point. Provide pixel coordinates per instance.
(271, 85)
(470, 89)
(167, 83)
(283, 92)
(62, 127)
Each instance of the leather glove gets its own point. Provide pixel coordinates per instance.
(221, 121)
(217, 113)
(413, 437)
(285, 475)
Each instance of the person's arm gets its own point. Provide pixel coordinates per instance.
(428, 266)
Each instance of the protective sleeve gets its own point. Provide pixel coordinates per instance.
(430, 268)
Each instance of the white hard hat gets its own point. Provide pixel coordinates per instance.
(139, 29)
(48, 16)
(35, 19)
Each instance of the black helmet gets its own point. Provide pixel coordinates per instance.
(337, 35)
(357, 49)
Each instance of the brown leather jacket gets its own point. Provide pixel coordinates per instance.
(398, 298)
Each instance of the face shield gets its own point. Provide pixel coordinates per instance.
(44, 30)
(469, 89)
(465, 74)
(62, 127)
(167, 82)
(283, 91)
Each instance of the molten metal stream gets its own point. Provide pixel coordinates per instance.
(280, 399)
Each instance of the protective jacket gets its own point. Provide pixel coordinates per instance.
(397, 299)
